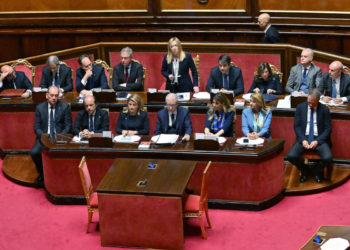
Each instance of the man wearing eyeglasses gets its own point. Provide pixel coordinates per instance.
(174, 119)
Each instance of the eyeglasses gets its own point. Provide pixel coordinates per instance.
(171, 105)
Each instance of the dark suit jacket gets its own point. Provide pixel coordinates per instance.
(63, 118)
(135, 81)
(344, 87)
(273, 83)
(324, 125)
(185, 83)
(236, 83)
(21, 81)
(272, 35)
(183, 122)
(139, 123)
(98, 76)
(64, 78)
(101, 121)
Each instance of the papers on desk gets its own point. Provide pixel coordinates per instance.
(127, 139)
(122, 96)
(333, 104)
(201, 96)
(165, 139)
(335, 243)
(297, 94)
(256, 142)
(39, 89)
(202, 136)
(77, 139)
(284, 103)
(183, 96)
(247, 97)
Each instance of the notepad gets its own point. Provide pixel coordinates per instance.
(165, 139)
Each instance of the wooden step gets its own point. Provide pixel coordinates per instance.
(20, 169)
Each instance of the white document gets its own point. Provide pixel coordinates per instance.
(127, 139)
(284, 103)
(202, 136)
(247, 97)
(250, 142)
(77, 139)
(201, 96)
(165, 139)
(333, 104)
(335, 243)
(107, 134)
(215, 91)
(152, 90)
(183, 96)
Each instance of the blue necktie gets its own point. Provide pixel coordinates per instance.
(225, 81)
(52, 122)
(56, 82)
(311, 130)
(304, 85)
(91, 124)
(334, 89)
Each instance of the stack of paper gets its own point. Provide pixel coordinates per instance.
(127, 139)
(165, 139)
(247, 97)
(258, 141)
(201, 96)
(284, 103)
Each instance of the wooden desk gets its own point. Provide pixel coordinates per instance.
(149, 216)
(250, 178)
(331, 232)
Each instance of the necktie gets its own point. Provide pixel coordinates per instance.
(225, 81)
(304, 76)
(311, 130)
(126, 75)
(334, 89)
(56, 82)
(52, 122)
(173, 120)
(91, 123)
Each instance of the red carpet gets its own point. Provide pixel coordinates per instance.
(29, 221)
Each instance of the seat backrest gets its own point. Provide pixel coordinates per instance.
(64, 63)
(26, 67)
(274, 70)
(85, 179)
(144, 73)
(108, 70)
(204, 187)
(346, 70)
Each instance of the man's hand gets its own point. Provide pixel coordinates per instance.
(196, 89)
(337, 100)
(271, 91)
(186, 138)
(25, 94)
(132, 132)
(253, 135)
(305, 144)
(88, 73)
(85, 134)
(3, 76)
(171, 77)
(326, 99)
(313, 145)
(256, 90)
(207, 132)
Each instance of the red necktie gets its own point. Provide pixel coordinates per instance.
(126, 76)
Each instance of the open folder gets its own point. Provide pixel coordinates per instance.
(165, 139)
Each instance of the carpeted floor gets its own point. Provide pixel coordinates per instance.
(30, 221)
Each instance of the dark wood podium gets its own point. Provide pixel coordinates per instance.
(141, 206)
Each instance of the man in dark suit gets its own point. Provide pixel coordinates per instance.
(226, 77)
(336, 84)
(56, 74)
(89, 76)
(312, 126)
(271, 33)
(174, 119)
(304, 76)
(51, 116)
(91, 120)
(11, 79)
(127, 75)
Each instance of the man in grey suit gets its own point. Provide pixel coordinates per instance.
(51, 116)
(336, 84)
(304, 76)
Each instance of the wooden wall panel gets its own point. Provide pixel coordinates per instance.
(211, 6)
(76, 5)
(308, 6)
(10, 48)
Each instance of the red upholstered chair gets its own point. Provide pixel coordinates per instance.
(91, 197)
(196, 205)
(26, 67)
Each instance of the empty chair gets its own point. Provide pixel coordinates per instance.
(196, 205)
(91, 197)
